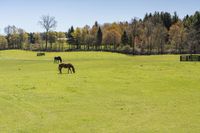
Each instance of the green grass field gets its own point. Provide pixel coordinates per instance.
(110, 93)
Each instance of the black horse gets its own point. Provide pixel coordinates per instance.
(69, 66)
(57, 59)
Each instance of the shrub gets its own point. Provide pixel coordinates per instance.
(126, 49)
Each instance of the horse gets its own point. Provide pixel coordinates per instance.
(69, 66)
(57, 59)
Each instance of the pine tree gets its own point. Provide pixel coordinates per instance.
(124, 38)
(96, 24)
(99, 37)
(175, 18)
(70, 36)
(167, 20)
(31, 38)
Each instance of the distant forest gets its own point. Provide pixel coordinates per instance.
(156, 33)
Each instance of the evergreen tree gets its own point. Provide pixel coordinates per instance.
(197, 21)
(31, 38)
(70, 36)
(96, 24)
(146, 17)
(124, 38)
(167, 20)
(99, 37)
(175, 18)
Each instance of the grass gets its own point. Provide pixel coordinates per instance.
(110, 93)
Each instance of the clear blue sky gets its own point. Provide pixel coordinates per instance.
(26, 13)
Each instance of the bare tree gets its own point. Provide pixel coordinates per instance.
(10, 30)
(48, 23)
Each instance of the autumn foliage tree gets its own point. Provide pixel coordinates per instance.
(156, 33)
(177, 36)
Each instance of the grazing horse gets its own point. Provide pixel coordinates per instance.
(69, 66)
(57, 59)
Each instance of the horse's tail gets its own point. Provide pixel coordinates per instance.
(73, 69)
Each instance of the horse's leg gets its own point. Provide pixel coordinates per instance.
(70, 70)
(60, 69)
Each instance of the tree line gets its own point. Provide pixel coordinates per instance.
(156, 33)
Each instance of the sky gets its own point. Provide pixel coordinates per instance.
(25, 14)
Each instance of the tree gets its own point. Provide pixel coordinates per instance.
(177, 36)
(70, 37)
(16, 37)
(124, 38)
(9, 31)
(134, 31)
(31, 38)
(84, 33)
(167, 20)
(112, 37)
(89, 40)
(148, 30)
(192, 24)
(193, 41)
(48, 23)
(24, 40)
(159, 38)
(96, 24)
(99, 38)
(196, 21)
(36, 40)
(15, 40)
(175, 18)
(3, 42)
(94, 29)
(52, 38)
(77, 37)
(61, 40)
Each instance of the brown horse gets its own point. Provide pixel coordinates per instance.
(57, 59)
(69, 66)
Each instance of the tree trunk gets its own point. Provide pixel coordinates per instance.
(133, 44)
(46, 39)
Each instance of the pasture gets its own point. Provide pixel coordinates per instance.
(109, 93)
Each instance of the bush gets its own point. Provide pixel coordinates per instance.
(126, 49)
